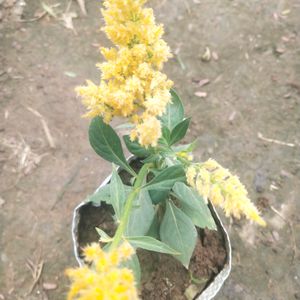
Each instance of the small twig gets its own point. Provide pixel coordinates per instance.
(181, 63)
(81, 4)
(45, 127)
(68, 6)
(294, 245)
(260, 136)
(36, 272)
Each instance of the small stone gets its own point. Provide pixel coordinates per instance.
(260, 182)
(2, 201)
(49, 286)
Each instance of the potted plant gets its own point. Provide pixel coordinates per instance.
(159, 200)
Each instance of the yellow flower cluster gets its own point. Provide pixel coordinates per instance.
(104, 280)
(132, 84)
(212, 181)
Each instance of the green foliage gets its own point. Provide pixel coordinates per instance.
(174, 112)
(135, 148)
(117, 193)
(151, 244)
(104, 194)
(159, 211)
(179, 131)
(141, 216)
(178, 231)
(193, 205)
(158, 196)
(107, 144)
(166, 178)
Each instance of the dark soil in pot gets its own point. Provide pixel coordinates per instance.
(163, 277)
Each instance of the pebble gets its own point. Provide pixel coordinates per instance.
(49, 286)
(260, 182)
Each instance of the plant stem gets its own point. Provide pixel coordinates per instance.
(128, 205)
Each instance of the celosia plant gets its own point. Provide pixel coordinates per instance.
(169, 194)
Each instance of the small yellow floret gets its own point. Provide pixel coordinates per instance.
(104, 279)
(223, 189)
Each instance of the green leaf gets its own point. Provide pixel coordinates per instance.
(104, 237)
(154, 228)
(117, 193)
(151, 244)
(174, 112)
(193, 205)
(135, 148)
(158, 196)
(166, 178)
(107, 144)
(187, 148)
(141, 215)
(134, 265)
(152, 158)
(103, 194)
(166, 135)
(178, 231)
(179, 131)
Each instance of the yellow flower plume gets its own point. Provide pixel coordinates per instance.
(216, 183)
(132, 84)
(104, 280)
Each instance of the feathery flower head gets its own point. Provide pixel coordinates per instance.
(104, 279)
(132, 83)
(216, 183)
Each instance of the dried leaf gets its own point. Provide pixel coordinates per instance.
(201, 94)
(81, 4)
(49, 10)
(203, 82)
(68, 20)
(215, 55)
(285, 12)
(70, 74)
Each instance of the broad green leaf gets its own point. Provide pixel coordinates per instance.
(179, 131)
(193, 205)
(151, 158)
(166, 134)
(151, 244)
(158, 196)
(141, 215)
(178, 231)
(166, 178)
(134, 265)
(154, 228)
(117, 193)
(187, 148)
(174, 112)
(107, 144)
(103, 194)
(135, 148)
(104, 237)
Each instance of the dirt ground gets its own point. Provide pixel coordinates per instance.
(247, 117)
